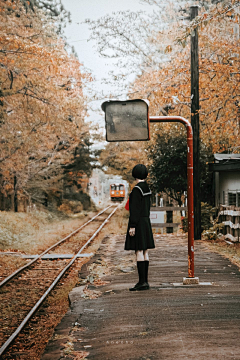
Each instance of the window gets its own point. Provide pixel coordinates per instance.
(232, 198)
(117, 187)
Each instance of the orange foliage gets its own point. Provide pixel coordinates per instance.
(219, 78)
(42, 106)
(119, 158)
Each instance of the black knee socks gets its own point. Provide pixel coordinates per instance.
(142, 267)
(146, 270)
(141, 271)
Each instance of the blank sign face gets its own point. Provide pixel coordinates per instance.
(126, 120)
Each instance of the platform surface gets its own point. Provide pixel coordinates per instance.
(169, 321)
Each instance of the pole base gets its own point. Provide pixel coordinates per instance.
(190, 281)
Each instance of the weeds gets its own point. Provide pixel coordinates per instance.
(33, 232)
(231, 252)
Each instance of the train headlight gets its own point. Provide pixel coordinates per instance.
(112, 192)
(121, 192)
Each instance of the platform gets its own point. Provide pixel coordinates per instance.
(169, 321)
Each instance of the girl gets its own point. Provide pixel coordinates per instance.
(139, 234)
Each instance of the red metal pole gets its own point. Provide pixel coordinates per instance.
(189, 184)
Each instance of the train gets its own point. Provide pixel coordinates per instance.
(117, 192)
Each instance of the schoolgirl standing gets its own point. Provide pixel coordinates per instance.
(139, 234)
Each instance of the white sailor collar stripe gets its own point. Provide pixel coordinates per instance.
(143, 194)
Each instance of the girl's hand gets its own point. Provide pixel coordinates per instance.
(132, 231)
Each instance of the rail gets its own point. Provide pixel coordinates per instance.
(50, 248)
(63, 271)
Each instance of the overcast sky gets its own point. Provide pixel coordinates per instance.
(78, 34)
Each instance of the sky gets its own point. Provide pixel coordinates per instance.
(77, 34)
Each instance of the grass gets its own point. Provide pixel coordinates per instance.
(33, 232)
(231, 252)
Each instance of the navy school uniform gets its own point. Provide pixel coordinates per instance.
(139, 208)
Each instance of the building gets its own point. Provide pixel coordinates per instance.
(226, 168)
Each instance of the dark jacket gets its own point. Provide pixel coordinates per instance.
(139, 209)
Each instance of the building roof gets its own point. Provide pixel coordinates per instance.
(220, 157)
(225, 162)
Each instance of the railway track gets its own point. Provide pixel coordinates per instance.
(22, 292)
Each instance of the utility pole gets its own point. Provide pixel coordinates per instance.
(195, 125)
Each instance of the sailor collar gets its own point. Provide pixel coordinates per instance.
(142, 191)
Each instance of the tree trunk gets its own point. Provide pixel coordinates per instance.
(15, 195)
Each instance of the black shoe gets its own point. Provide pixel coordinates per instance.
(135, 287)
(147, 285)
(138, 287)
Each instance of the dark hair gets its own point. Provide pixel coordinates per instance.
(140, 172)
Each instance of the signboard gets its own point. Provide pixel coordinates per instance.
(126, 120)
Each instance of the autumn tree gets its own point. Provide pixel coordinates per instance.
(167, 156)
(219, 76)
(219, 84)
(157, 45)
(77, 172)
(119, 158)
(42, 107)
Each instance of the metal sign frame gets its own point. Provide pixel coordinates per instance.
(146, 121)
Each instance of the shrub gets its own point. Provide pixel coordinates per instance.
(209, 219)
(71, 206)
